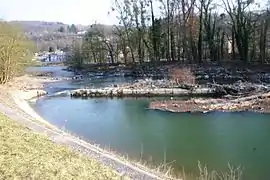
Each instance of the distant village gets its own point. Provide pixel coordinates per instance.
(56, 56)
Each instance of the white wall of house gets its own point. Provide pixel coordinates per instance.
(57, 56)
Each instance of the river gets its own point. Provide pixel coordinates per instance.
(180, 139)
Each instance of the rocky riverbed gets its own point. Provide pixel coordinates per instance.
(213, 73)
(256, 103)
(240, 96)
(229, 79)
(225, 84)
(165, 87)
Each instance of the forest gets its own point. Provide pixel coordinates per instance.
(179, 30)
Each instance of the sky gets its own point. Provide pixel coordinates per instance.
(67, 11)
(83, 12)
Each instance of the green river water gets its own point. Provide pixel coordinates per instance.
(181, 139)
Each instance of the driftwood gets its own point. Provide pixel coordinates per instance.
(144, 92)
(239, 88)
(248, 98)
(250, 102)
(257, 103)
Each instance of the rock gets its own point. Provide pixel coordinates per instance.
(139, 92)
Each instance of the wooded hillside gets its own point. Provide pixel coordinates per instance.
(188, 30)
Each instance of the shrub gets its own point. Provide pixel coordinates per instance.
(15, 51)
(183, 76)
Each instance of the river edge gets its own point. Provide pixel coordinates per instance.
(197, 99)
(259, 103)
(14, 102)
(217, 87)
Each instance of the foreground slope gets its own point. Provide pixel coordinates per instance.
(26, 155)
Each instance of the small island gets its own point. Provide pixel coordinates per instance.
(190, 88)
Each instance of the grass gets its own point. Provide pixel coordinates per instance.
(166, 170)
(26, 155)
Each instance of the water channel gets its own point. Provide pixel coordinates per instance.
(128, 127)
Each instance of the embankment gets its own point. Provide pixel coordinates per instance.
(20, 148)
(20, 90)
(13, 103)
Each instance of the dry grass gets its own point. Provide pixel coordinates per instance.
(26, 155)
(232, 174)
(166, 171)
(183, 76)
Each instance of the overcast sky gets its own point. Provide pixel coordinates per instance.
(66, 11)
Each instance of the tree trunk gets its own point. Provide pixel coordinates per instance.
(172, 45)
(222, 42)
(200, 36)
(264, 28)
(233, 45)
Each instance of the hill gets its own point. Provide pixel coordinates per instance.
(56, 34)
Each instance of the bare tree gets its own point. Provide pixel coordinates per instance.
(243, 23)
(15, 51)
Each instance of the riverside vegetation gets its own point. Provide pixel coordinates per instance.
(191, 46)
(20, 146)
(25, 154)
(189, 32)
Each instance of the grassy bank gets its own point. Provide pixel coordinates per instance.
(26, 155)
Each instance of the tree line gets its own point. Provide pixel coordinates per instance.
(69, 29)
(51, 34)
(182, 30)
(15, 51)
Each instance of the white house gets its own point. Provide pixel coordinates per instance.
(57, 56)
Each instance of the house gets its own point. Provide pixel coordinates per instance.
(56, 56)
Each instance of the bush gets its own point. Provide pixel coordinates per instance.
(15, 51)
(75, 58)
(182, 76)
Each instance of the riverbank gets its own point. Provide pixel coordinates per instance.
(240, 96)
(21, 146)
(14, 97)
(106, 158)
(255, 103)
(176, 79)
(228, 72)
(16, 94)
(25, 154)
(217, 87)
(169, 88)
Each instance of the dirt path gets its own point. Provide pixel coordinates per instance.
(22, 113)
